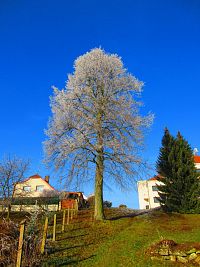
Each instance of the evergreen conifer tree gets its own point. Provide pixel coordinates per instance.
(179, 190)
(164, 167)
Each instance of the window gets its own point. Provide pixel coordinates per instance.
(156, 200)
(72, 196)
(27, 188)
(147, 207)
(39, 188)
(154, 188)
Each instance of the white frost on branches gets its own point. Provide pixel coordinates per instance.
(97, 111)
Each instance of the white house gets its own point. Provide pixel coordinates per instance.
(148, 191)
(35, 186)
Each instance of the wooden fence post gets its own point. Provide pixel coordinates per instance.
(20, 245)
(68, 215)
(63, 222)
(54, 227)
(44, 235)
(71, 210)
(92, 215)
(74, 209)
(77, 207)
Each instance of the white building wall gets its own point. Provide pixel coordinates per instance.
(143, 194)
(147, 196)
(197, 165)
(153, 195)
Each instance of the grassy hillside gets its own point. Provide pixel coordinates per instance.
(121, 240)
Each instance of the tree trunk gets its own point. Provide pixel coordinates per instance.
(9, 210)
(98, 210)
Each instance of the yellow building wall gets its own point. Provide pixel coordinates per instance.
(33, 183)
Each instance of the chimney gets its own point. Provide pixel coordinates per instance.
(46, 178)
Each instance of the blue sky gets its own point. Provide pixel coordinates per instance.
(158, 41)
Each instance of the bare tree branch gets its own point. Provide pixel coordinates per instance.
(12, 171)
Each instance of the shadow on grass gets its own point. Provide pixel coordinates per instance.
(77, 229)
(64, 261)
(71, 247)
(129, 215)
(154, 213)
(70, 237)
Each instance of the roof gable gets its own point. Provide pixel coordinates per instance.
(197, 159)
(37, 176)
(155, 177)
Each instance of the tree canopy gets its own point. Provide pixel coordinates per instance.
(96, 122)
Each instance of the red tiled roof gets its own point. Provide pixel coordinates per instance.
(197, 159)
(155, 177)
(35, 176)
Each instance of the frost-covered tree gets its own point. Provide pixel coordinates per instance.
(96, 122)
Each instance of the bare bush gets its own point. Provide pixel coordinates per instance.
(122, 206)
(32, 240)
(91, 201)
(8, 243)
(9, 236)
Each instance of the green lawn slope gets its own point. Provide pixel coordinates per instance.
(121, 240)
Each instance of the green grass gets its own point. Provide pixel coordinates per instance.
(119, 241)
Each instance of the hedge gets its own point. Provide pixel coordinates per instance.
(34, 200)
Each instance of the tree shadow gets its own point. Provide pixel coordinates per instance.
(80, 228)
(70, 237)
(130, 215)
(78, 260)
(70, 247)
(65, 261)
